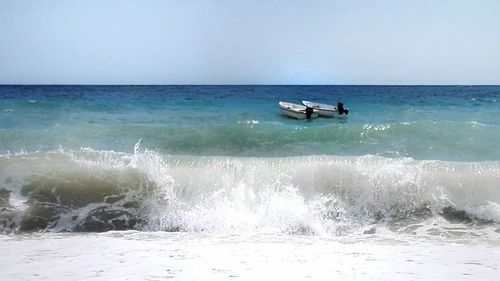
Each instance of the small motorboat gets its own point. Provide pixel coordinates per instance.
(328, 110)
(297, 111)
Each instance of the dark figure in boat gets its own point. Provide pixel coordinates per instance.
(341, 109)
(309, 112)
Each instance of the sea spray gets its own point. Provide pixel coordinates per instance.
(95, 190)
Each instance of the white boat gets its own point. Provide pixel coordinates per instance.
(296, 111)
(328, 110)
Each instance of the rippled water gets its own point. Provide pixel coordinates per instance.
(211, 182)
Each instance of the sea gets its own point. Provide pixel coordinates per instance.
(213, 183)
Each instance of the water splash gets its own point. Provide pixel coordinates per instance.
(96, 190)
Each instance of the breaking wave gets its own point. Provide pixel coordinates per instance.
(93, 191)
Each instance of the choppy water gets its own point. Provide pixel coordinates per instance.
(439, 123)
(211, 162)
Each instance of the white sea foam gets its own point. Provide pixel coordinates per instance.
(187, 256)
(310, 194)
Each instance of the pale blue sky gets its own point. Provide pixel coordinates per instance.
(250, 42)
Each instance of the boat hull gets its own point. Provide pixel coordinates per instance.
(327, 113)
(297, 115)
(296, 111)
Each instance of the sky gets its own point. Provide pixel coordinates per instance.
(250, 42)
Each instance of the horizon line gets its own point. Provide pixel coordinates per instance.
(300, 85)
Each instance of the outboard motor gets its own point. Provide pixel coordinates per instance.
(341, 109)
(309, 112)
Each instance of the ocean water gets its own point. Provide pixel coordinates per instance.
(157, 181)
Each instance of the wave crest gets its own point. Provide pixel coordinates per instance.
(89, 190)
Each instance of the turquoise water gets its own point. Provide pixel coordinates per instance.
(407, 159)
(459, 123)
